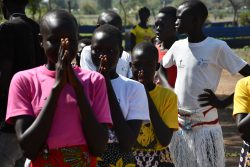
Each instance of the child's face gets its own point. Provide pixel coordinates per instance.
(141, 61)
(52, 35)
(104, 44)
(144, 17)
(185, 21)
(164, 26)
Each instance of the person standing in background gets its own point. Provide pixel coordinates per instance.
(19, 50)
(141, 32)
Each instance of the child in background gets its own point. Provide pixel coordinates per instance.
(151, 148)
(58, 110)
(123, 65)
(166, 34)
(242, 116)
(141, 32)
(199, 60)
(127, 98)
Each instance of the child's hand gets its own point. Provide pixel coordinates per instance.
(103, 66)
(209, 98)
(141, 76)
(71, 77)
(61, 70)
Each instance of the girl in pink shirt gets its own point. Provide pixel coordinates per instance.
(58, 110)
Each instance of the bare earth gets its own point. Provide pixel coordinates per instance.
(232, 138)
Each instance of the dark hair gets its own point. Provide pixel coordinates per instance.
(168, 10)
(113, 31)
(113, 17)
(58, 14)
(109, 17)
(16, 2)
(148, 48)
(144, 10)
(197, 8)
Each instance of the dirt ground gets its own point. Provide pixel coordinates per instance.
(232, 139)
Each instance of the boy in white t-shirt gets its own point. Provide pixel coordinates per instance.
(127, 98)
(199, 60)
(123, 67)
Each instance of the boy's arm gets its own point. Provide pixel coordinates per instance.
(211, 99)
(243, 125)
(126, 131)
(96, 141)
(132, 41)
(245, 71)
(96, 134)
(163, 77)
(162, 131)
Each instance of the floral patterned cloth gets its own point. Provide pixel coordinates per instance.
(156, 158)
(115, 157)
(77, 156)
(245, 155)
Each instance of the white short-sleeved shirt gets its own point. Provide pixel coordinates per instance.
(122, 68)
(132, 98)
(199, 67)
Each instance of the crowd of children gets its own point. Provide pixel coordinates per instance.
(153, 108)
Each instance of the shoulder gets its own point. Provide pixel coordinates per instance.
(125, 55)
(244, 81)
(165, 92)
(215, 43)
(88, 75)
(27, 75)
(130, 83)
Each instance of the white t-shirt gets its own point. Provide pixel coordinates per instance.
(199, 67)
(122, 68)
(132, 98)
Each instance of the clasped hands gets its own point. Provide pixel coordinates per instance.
(64, 71)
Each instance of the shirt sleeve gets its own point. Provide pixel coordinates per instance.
(228, 60)
(168, 58)
(85, 60)
(138, 104)
(101, 104)
(19, 98)
(242, 97)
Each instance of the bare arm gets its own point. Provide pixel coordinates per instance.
(162, 131)
(32, 133)
(209, 98)
(163, 77)
(126, 131)
(243, 125)
(96, 134)
(132, 41)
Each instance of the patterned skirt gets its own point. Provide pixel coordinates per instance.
(157, 158)
(115, 157)
(76, 156)
(245, 155)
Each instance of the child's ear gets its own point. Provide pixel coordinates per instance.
(157, 66)
(40, 38)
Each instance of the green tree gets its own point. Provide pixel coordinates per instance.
(236, 5)
(104, 4)
(34, 6)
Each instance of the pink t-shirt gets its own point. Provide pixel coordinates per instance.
(30, 89)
